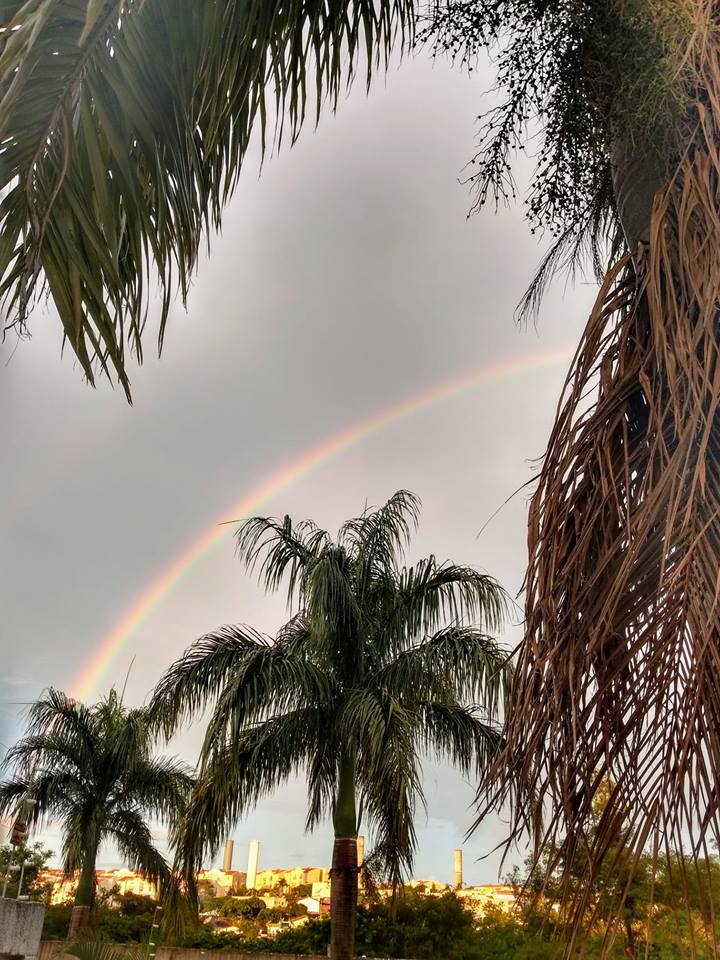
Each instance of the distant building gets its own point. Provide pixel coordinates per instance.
(316, 906)
(494, 895)
(222, 883)
(321, 890)
(228, 855)
(294, 877)
(458, 871)
(121, 881)
(427, 886)
(282, 926)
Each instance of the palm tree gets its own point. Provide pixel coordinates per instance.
(376, 666)
(618, 677)
(92, 769)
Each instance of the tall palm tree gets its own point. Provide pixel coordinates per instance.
(377, 666)
(92, 769)
(618, 677)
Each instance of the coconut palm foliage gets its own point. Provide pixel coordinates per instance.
(123, 127)
(92, 769)
(378, 665)
(619, 677)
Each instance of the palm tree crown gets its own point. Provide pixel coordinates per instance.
(92, 769)
(377, 666)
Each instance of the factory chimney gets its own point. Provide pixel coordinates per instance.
(253, 858)
(228, 855)
(458, 870)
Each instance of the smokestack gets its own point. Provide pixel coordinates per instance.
(228, 855)
(360, 849)
(458, 869)
(253, 858)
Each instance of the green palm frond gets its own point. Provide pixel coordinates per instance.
(239, 772)
(130, 831)
(57, 749)
(91, 949)
(200, 674)
(463, 736)
(280, 549)
(79, 829)
(266, 681)
(462, 659)
(330, 594)
(124, 126)
(430, 593)
(160, 785)
(388, 775)
(322, 771)
(379, 536)
(12, 793)
(57, 714)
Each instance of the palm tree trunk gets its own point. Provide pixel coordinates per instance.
(82, 918)
(637, 177)
(344, 872)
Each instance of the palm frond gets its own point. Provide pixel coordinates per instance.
(331, 597)
(388, 774)
(322, 771)
(431, 593)
(461, 659)
(87, 949)
(56, 714)
(461, 735)
(280, 549)
(160, 786)
(12, 793)
(124, 126)
(241, 771)
(379, 536)
(41, 750)
(200, 674)
(266, 681)
(132, 835)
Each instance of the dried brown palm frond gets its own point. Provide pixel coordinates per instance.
(619, 672)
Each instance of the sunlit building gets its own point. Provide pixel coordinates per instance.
(120, 882)
(294, 877)
(221, 883)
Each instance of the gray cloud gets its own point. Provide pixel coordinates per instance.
(347, 279)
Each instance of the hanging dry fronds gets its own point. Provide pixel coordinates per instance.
(619, 672)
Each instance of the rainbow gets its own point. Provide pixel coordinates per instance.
(279, 480)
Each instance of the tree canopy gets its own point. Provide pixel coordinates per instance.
(92, 769)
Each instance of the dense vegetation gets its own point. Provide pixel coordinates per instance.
(434, 928)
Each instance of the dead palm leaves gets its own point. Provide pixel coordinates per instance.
(619, 673)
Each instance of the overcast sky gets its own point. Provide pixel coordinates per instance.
(347, 279)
